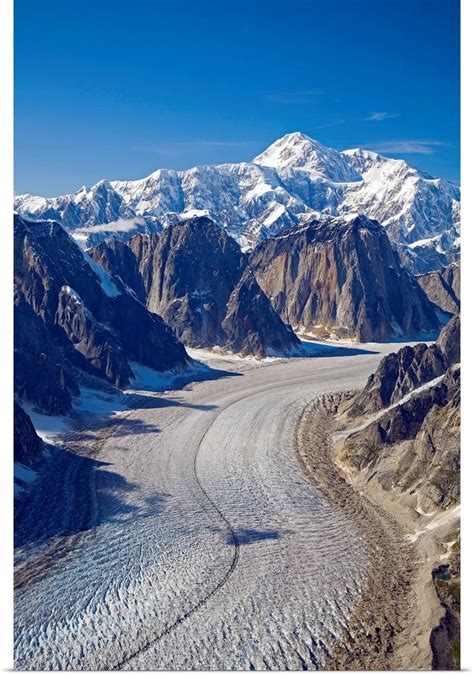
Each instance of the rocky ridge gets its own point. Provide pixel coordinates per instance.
(443, 287)
(72, 317)
(342, 277)
(403, 428)
(296, 178)
(195, 276)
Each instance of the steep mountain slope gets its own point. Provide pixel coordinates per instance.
(410, 439)
(294, 179)
(401, 372)
(28, 446)
(409, 203)
(41, 375)
(406, 458)
(342, 276)
(70, 314)
(195, 276)
(443, 287)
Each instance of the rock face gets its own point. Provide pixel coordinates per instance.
(295, 178)
(121, 258)
(443, 287)
(41, 372)
(71, 315)
(412, 442)
(401, 372)
(28, 446)
(342, 276)
(196, 277)
(449, 341)
(414, 446)
(427, 256)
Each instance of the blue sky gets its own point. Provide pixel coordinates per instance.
(119, 88)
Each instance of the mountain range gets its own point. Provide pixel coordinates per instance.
(296, 179)
(74, 323)
(196, 278)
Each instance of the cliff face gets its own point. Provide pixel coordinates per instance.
(401, 372)
(443, 287)
(195, 276)
(342, 276)
(41, 373)
(70, 314)
(27, 444)
(410, 439)
(119, 259)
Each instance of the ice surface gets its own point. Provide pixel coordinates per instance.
(48, 427)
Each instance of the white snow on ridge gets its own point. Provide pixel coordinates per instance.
(108, 285)
(194, 213)
(381, 413)
(274, 215)
(296, 176)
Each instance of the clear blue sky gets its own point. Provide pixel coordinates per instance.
(118, 88)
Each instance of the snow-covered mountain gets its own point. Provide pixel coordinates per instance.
(296, 178)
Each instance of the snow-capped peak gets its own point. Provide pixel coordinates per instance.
(298, 151)
(295, 179)
(365, 154)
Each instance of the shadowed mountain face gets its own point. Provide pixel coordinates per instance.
(70, 314)
(411, 441)
(342, 276)
(196, 277)
(443, 287)
(27, 444)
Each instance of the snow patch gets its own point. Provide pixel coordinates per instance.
(381, 413)
(274, 215)
(108, 285)
(23, 474)
(48, 427)
(440, 520)
(99, 402)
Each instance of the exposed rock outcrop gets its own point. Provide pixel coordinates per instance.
(195, 276)
(449, 341)
(27, 444)
(401, 372)
(118, 258)
(342, 276)
(70, 314)
(41, 373)
(443, 287)
(412, 444)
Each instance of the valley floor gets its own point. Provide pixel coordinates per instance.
(186, 534)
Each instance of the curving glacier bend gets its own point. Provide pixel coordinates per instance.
(188, 537)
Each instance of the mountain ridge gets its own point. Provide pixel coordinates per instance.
(342, 277)
(71, 317)
(198, 280)
(295, 178)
